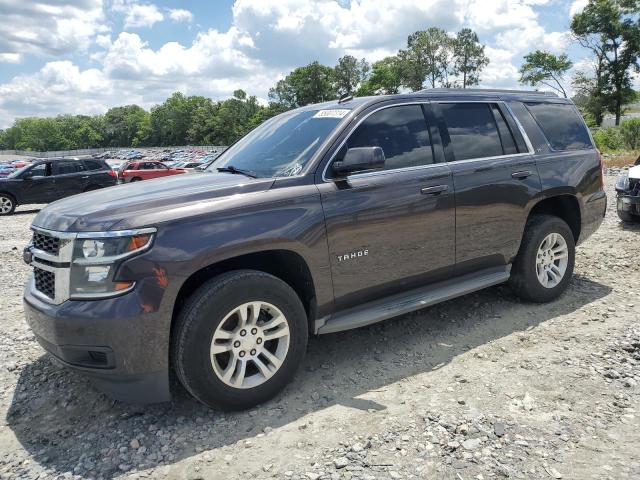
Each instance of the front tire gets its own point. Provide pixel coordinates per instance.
(544, 265)
(239, 339)
(7, 204)
(627, 217)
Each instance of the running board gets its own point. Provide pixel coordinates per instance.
(412, 300)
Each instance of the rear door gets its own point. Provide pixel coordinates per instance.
(71, 177)
(495, 180)
(98, 173)
(393, 229)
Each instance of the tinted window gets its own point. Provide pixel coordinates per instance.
(93, 165)
(506, 137)
(402, 134)
(64, 168)
(39, 170)
(561, 124)
(472, 130)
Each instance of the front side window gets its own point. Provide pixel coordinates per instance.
(472, 130)
(561, 124)
(402, 134)
(39, 170)
(283, 145)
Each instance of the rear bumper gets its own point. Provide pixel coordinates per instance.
(118, 346)
(628, 204)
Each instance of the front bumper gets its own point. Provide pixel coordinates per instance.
(118, 343)
(628, 204)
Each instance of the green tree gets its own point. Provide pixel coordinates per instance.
(611, 29)
(544, 68)
(426, 59)
(589, 97)
(468, 57)
(349, 73)
(122, 124)
(305, 85)
(385, 78)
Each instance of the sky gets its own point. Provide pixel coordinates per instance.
(85, 56)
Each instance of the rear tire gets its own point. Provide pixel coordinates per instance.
(239, 339)
(135, 179)
(544, 265)
(7, 204)
(627, 217)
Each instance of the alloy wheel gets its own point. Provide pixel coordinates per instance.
(6, 204)
(552, 260)
(250, 345)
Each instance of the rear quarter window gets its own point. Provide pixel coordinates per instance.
(561, 124)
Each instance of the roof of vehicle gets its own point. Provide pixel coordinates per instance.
(351, 103)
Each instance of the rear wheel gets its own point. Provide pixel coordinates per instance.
(7, 204)
(544, 265)
(239, 339)
(135, 179)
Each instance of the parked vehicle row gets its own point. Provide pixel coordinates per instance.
(324, 218)
(45, 181)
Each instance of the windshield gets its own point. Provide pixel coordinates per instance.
(281, 146)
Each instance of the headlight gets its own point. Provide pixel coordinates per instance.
(96, 257)
(622, 184)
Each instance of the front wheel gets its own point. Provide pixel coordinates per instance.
(628, 217)
(239, 339)
(7, 204)
(544, 265)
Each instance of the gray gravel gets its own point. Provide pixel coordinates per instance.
(481, 387)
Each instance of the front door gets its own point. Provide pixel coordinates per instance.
(40, 185)
(393, 229)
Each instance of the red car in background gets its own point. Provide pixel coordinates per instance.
(145, 170)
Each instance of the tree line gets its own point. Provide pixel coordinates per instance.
(432, 58)
(610, 31)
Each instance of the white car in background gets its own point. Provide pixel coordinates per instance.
(628, 190)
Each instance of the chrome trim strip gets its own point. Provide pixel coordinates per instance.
(41, 254)
(101, 296)
(53, 233)
(520, 127)
(116, 233)
(376, 173)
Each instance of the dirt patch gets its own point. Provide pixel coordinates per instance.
(476, 388)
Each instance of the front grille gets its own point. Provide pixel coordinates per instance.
(45, 282)
(46, 243)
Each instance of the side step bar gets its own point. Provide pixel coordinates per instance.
(412, 300)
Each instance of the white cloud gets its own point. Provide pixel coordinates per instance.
(180, 15)
(10, 58)
(138, 15)
(49, 27)
(266, 39)
(577, 6)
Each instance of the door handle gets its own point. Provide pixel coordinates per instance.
(85, 177)
(437, 190)
(521, 175)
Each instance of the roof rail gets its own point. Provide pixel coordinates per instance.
(486, 90)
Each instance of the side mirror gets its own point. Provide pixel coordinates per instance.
(359, 159)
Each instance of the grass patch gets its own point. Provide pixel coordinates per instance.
(620, 159)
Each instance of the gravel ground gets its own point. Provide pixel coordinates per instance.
(476, 388)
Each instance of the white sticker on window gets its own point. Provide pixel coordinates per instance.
(334, 113)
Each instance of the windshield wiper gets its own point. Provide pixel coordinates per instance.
(232, 169)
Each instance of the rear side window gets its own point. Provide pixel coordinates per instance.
(93, 165)
(472, 130)
(402, 134)
(561, 124)
(64, 168)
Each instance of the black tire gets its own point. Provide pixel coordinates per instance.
(7, 200)
(135, 179)
(524, 280)
(627, 217)
(92, 188)
(205, 310)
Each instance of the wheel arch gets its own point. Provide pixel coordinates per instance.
(287, 265)
(565, 206)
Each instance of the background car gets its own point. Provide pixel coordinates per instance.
(137, 171)
(45, 181)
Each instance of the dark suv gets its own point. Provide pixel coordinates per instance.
(324, 218)
(45, 181)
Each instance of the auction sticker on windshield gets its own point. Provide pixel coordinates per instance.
(333, 113)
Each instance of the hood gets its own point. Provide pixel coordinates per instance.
(634, 172)
(148, 202)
